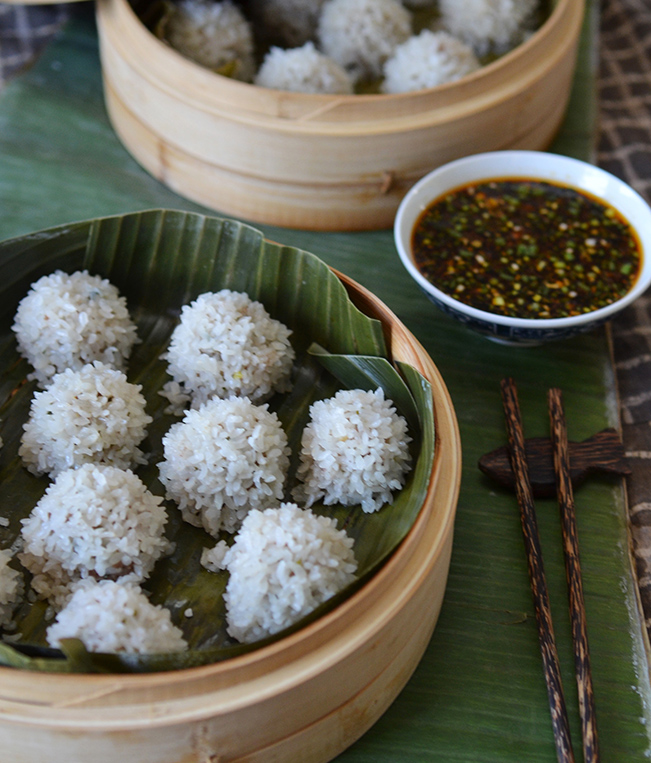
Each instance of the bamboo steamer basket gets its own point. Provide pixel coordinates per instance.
(304, 698)
(321, 162)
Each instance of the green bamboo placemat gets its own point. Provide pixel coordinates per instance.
(478, 694)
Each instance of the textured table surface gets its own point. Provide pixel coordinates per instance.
(625, 150)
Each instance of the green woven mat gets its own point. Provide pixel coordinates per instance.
(478, 694)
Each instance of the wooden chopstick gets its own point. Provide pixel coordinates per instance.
(573, 572)
(555, 695)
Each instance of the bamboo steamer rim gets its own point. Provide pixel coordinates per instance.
(169, 71)
(292, 658)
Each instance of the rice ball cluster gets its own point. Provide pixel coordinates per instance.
(93, 415)
(223, 460)
(66, 321)
(214, 34)
(227, 344)
(95, 521)
(97, 532)
(354, 451)
(116, 617)
(335, 46)
(303, 70)
(11, 588)
(428, 60)
(284, 563)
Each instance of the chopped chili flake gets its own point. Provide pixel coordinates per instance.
(537, 249)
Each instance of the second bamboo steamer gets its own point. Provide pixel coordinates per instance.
(321, 162)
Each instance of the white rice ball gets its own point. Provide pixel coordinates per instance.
(114, 617)
(94, 521)
(303, 70)
(284, 563)
(90, 415)
(213, 34)
(489, 25)
(353, 451)
(222, 460)
(227, 344)
(66, 321)
(428, 60)
(288, 23)
(361, 34)
(11, 588)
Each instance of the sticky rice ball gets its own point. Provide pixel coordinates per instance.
(11, 588)
(114, 617)
(95, 521)
(227, 344)
(66, 321)
(361, 34)
(222, 460)
(428, 60)
(213, 34)
(284, 563)
(303, 70)
(354, 451)
(90, 415)
(287, 23)
(489, 25)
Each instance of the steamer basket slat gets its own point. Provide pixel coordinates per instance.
(321, 162)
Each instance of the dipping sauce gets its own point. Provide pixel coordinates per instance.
(526, 248)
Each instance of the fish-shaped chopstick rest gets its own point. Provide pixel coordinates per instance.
(603, 452)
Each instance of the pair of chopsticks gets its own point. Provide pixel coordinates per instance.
(524, 494)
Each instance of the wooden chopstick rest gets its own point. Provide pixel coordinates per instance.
(556, 697)
(573, 572)
(602, 453)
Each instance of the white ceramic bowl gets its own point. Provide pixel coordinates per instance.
(534, 165)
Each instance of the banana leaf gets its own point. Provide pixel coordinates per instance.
(161, 260)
